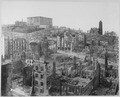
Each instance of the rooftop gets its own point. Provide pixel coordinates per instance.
(39, 17)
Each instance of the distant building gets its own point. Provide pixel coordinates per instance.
(19, 46)
(81, 36)
(20, 23)
(107, 33)
(94, 30)
(12, 48)
(42, 22)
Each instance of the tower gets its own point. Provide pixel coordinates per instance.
(100, 31)
(40, 78)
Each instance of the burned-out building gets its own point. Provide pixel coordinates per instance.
(40, 78)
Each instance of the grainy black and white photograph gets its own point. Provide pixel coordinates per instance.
(60, 47)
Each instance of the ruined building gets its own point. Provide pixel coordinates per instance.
(40, 78)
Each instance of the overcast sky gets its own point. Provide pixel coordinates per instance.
(83, 15)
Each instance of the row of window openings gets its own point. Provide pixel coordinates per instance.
(19, 42)
(70, 89)
(36, 75)
(19, 46)
(37, 68)
(41, 83)
(41, 90)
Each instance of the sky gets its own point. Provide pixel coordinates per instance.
(77, 15)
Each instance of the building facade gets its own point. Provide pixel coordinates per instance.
(42, 22)
(40, 78)
(13, 47)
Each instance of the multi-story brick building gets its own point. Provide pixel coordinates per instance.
(42, 22)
